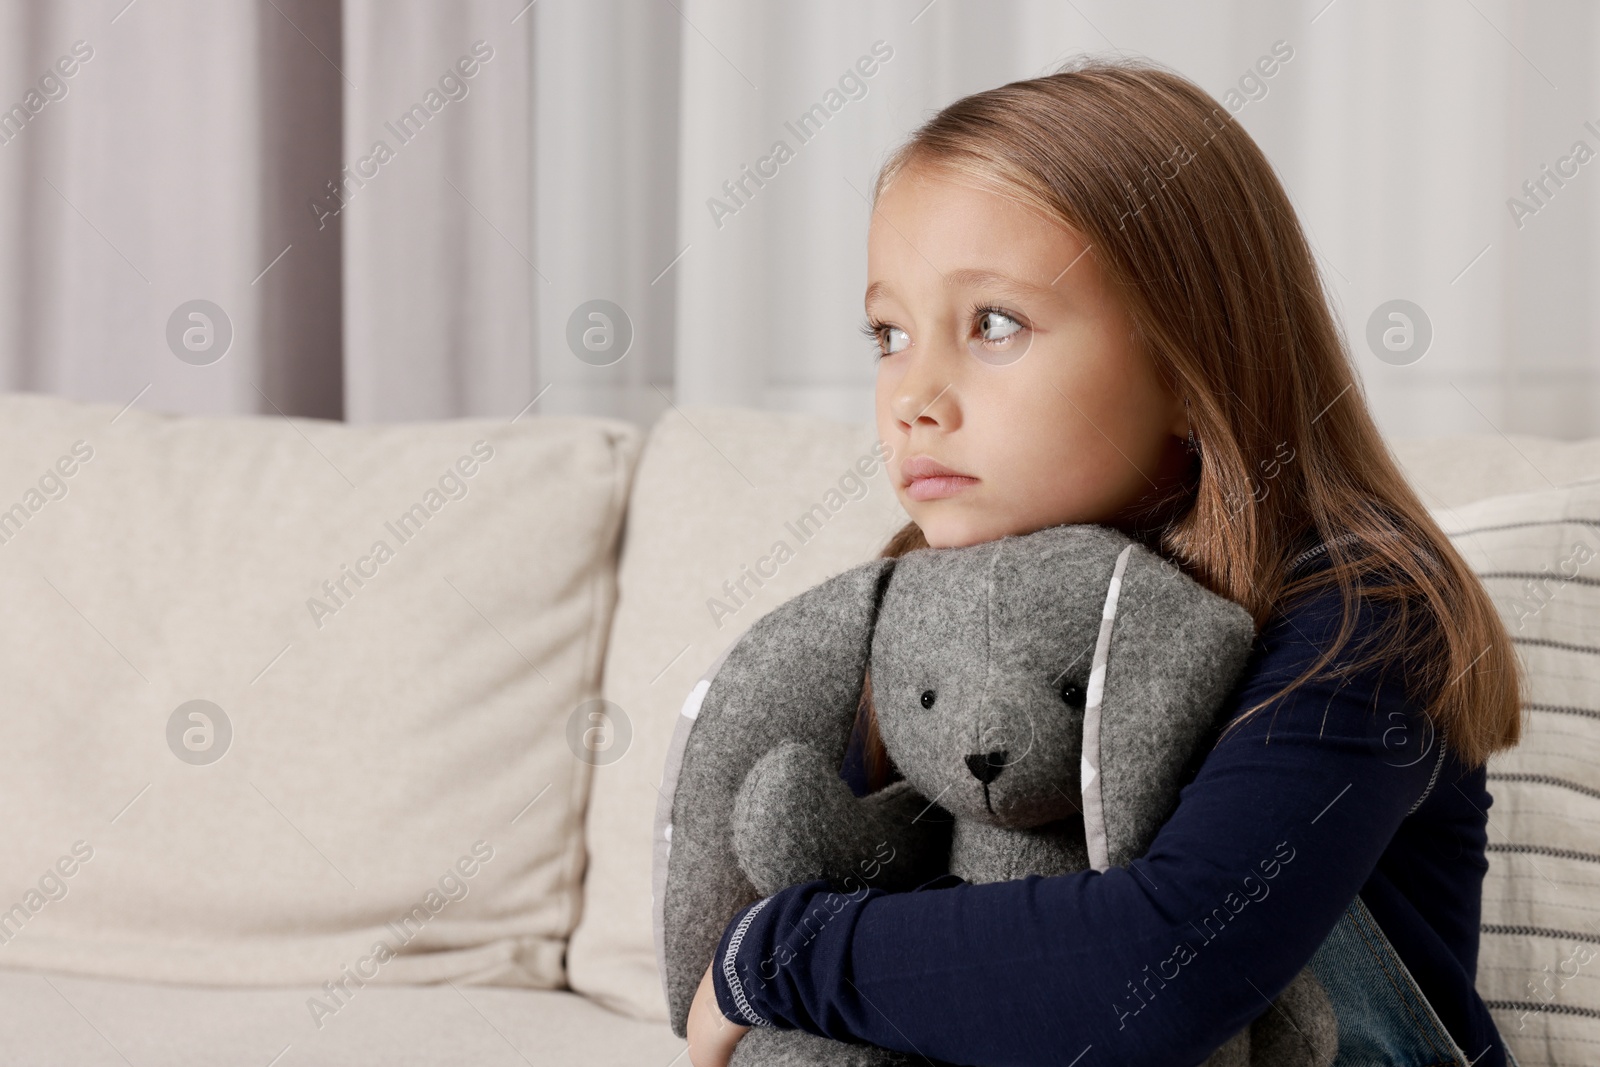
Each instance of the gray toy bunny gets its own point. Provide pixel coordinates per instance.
(1045, 697)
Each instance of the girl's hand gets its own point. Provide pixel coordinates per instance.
(711, 1034)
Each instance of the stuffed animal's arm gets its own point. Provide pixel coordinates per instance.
(796, 820)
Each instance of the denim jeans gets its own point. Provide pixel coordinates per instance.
(1383, 1017)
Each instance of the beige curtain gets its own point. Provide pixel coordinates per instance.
(437, 277)
(172, 164)
(581, 225)
(1401, 131)
(548, 186)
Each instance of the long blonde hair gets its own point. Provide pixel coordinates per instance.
(1191, 225)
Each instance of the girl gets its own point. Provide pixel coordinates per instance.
(1093, 303)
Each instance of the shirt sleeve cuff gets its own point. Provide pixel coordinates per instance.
(733, 977)
(776, 953)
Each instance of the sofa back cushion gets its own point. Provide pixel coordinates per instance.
(278, 693)
(1450, 471)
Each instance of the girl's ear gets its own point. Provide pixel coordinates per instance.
(1168, 654)
(796, 675)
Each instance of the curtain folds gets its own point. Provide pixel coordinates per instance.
(403, 209)
(171, 165)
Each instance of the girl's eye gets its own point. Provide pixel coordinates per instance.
(996, 325)
(885, 338)
(927, 698)
(999, 337)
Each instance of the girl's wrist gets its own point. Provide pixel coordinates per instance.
(711, 1036)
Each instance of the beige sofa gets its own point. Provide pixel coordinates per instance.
(278, 693)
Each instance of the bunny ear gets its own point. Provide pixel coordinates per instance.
(1168, 653)
(797, 674)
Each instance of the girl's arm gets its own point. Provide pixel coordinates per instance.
(1158, 962)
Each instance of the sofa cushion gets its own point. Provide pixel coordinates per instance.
(1538, 554)
(733, 512)
(279, 692)
(1449, 471)
(54, 1020)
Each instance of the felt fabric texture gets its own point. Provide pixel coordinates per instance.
(1176, 650)
(1301, 1028)
(984, 852)
(984, 652)
(795, 674)
(795, 819)
(983, 662)
(1310, 1026)
(796, 1048)
(1009, 663)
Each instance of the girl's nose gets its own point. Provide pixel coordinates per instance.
(925, 399)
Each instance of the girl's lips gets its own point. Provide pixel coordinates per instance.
(938, 487)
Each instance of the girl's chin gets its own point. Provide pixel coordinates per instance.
(953, 535)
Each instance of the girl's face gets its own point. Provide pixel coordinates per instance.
(1008, 359)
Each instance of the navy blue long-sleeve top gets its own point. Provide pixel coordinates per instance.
(1340, 788)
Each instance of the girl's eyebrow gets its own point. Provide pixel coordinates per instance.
(972, 278)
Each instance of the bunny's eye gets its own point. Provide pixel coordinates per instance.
(927, 698)
(1074, 695)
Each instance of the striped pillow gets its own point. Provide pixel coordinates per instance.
(1538, 554)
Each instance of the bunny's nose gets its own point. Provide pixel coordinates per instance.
(986, 768)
